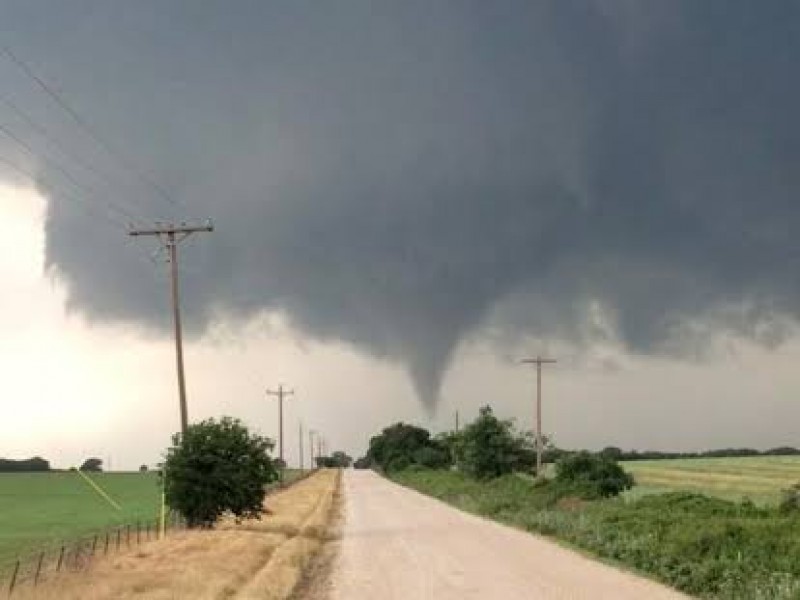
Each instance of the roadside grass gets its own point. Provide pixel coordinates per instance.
(757, 478)
(703, 546)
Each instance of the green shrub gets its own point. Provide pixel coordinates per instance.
(216, 467)
(401, 445)
(790, 500)
(593, 476)
(489, 447)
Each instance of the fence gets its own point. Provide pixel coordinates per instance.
(75, 555)
(35, 567)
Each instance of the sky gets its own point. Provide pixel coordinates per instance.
(407, 198)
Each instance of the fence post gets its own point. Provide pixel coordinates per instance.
(106, 548)
(119, 537)
(94, 544)
(128, 535)
(13, 578)
(38, 569)
(138, 533)
(60, 559)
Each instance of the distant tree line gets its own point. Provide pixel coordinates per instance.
(619, 454)
(30, 465)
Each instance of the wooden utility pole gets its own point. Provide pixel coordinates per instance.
(170, 236)
(300, 438)
(538, 361)
(311, 433)
(281, 394)
(456, 421)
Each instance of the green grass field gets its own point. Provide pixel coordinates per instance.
(759, 478)
(39, 510)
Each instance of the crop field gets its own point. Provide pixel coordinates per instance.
(37, 509)
(42, 509)
(759, 478)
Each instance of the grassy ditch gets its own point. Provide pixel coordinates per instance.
(706, 547)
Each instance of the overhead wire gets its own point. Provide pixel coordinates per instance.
(33, 154)
(85, 126)
(52, 141)
(53, 190)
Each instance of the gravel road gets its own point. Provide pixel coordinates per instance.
(399, 544)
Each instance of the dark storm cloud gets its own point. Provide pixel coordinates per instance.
(388, 174)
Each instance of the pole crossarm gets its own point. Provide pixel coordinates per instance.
(170, 229)
(538, 361)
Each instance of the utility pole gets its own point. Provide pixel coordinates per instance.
(456, 421)
(170, 236)
(300, 438)
(281, 394)
(311, 433)
(538, 361)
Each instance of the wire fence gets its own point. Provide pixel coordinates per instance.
(76, 555)
(35, 567)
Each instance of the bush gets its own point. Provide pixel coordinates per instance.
(218, 467)
(432, 458)
(594, 476)
(92, 465)
(490, 448)
(790, 501)
(401, 445)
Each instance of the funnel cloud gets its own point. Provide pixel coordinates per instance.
(390, 175)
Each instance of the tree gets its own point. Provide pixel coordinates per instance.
(611, 452)
(401, 445)
(593, 475)
(489, 447)
(341, 459)
(92, 465)
(216, 467)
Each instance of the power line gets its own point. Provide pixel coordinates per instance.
(53, 190)
(45, 134)
(88, 129)
(32, 153)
